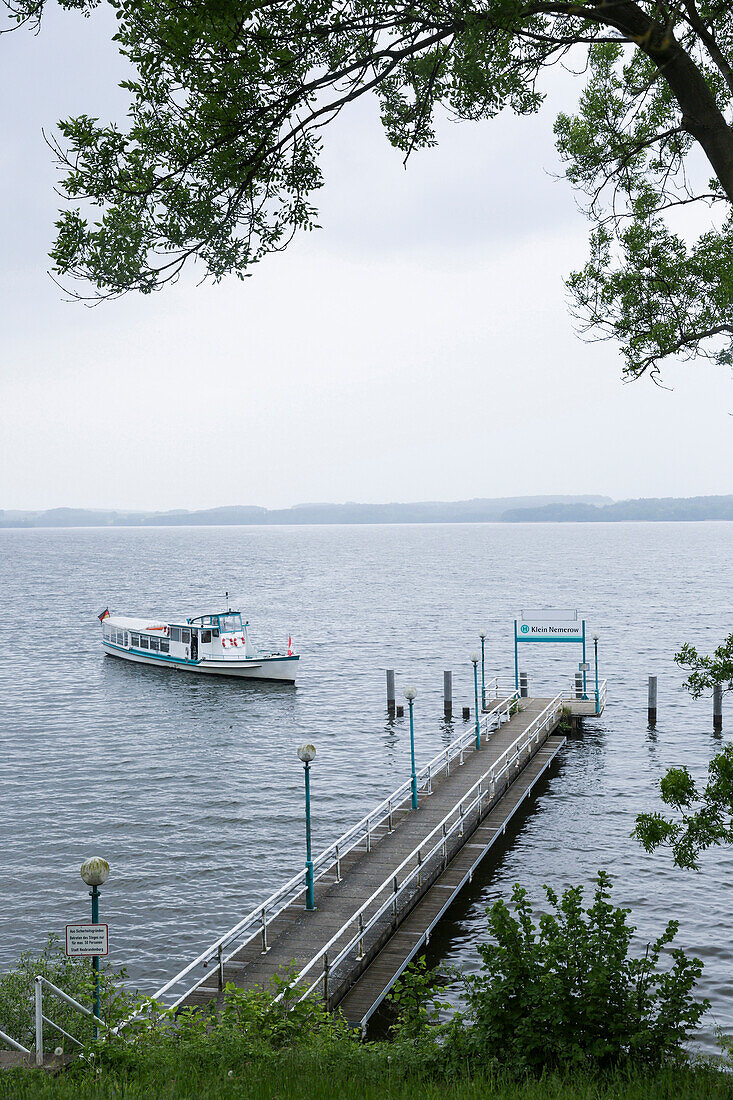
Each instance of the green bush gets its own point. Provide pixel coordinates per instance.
(74, 976)
(567, 993)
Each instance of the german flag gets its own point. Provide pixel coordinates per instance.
(104, 615)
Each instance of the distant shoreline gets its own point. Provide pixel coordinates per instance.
(537, 509)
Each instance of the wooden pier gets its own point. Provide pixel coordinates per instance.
(382, 888)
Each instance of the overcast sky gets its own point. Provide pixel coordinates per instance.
(417, 348)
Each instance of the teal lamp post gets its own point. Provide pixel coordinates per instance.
(482, 636)
(474, 658)
(95, 873)
(595, 651)
(410, 693)
(307, 753)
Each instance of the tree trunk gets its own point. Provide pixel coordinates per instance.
(701, 116)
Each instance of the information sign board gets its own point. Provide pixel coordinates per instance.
(530, 630)
(86, 940)
(549, 625)
(584, 666)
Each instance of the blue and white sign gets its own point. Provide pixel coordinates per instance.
(542, 630)
(549, 626)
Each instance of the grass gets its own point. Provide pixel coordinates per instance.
(360, 1073)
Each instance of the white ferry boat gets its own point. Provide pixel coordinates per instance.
(219, 645)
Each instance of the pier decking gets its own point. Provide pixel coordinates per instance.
(382, 888)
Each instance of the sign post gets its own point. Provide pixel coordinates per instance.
(549, 626)
(95, 873)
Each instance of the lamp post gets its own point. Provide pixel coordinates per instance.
(95, 872)
(595, 650)
(474, 658)
(410, 693)
(482, 636)
(307, 753)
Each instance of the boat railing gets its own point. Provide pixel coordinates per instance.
(257, 923)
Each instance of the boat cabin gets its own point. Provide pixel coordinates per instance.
(222, 636)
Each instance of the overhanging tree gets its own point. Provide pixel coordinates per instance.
(219, 161)
(702, 817)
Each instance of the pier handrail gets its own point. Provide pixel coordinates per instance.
(13, 1043)
(41, 1019)
(590, 694)
(442, 830)
(258, 920)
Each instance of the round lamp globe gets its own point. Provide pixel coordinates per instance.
(95, 871)
(410, 693)
(307, 753)
(474, 657)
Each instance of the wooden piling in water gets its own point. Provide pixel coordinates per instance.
(466, 713)
(652, 701)
(448, 694)
(390, 691)
(718, 707)
(400, 712)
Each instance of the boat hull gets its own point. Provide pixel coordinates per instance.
(280, 669)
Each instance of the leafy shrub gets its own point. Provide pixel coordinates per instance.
(415, 1002)
(74, 976)
(566, 993)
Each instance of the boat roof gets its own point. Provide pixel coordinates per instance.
(122, 622)
(125, 622)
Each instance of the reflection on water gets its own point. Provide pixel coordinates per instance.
(191, 788)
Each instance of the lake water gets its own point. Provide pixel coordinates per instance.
(191, 787)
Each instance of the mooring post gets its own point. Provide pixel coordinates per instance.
(466, 713)
(523, 685)
(718, 707)
(390, 691)
(652, 701)
(448, 694)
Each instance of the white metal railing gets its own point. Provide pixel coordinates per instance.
(13, 1043)
(590, 694)
(356, 928)
(256, 923)
(41, 1019)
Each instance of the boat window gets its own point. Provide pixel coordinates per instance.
(175, 633)
(214, 633)
(144, 642)
(230, 624)
(125, 639)
(164, 645)
(155, 643)
(185, 636)
(135, 640)
(205, 635)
